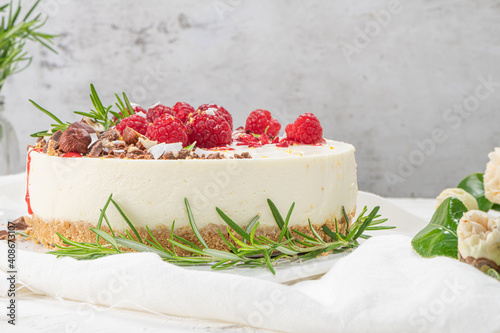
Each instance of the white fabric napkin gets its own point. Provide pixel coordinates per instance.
(383, 286)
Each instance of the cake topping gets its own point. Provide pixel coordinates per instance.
(83, 125)
(209, 130)
(168, 129)
(75, 140)
(260, 122)
(162, 148)
(158, 110)
(209, 127)
(136, 122)
(130, 136)
(306, 129)
(214, 108)
(182, 111)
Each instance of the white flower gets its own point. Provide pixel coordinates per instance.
(492, 177)
(467, 199)
(479, 236)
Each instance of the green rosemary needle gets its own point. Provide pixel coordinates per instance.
(246, 249)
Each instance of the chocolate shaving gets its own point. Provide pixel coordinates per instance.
(53, 143)
(133, 152)
(110, 135)
(96, 149)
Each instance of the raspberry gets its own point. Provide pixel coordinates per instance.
(182, 111)
(260, 122)
(222, 112)
(168, 129)
(136, 122)
(158, 110)
(247, 140)
(306, 129)
(289, 131)
(209, 130)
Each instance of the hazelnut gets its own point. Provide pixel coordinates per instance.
(130, 136)
(82, 125)
(75, 140)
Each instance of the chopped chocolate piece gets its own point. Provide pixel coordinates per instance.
(183, 154)
(246, 155)
(96, 149)
(110, 135)
(56, 136)
(83, 126)
(51, 148)
(40, 142)
(19, 224)
(133, 152)
(3, 234)
(118, 145)
(130, 136)
(215, 156)
(53, 143)
(194, 156)
(168, 156)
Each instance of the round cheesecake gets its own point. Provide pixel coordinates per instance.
(66, 195)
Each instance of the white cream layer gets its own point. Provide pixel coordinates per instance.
(319, 179)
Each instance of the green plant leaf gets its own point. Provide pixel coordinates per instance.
(439, 237)
(474, 184)
(493, 273)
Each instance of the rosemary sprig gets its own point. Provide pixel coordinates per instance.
(15, 31)
(100, 113)
(246, 249)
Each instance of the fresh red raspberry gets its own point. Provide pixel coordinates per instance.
(168, 129)
(136, 122)
(209, 130)
(260, 122)
(222, 112)
(138, 109)
(157, 111)
(182, 111)
(306, 129)
(289, 131)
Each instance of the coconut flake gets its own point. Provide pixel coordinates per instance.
(162, 148)
(156, 104)
(94, 138)
(147, 143)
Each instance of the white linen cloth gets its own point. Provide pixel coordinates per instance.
(383, 286)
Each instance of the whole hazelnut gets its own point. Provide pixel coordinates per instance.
(82, 125)
(130, 136)
(75, 140)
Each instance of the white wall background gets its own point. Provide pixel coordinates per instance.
(397, 97)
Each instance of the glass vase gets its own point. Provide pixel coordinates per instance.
(9, 146)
